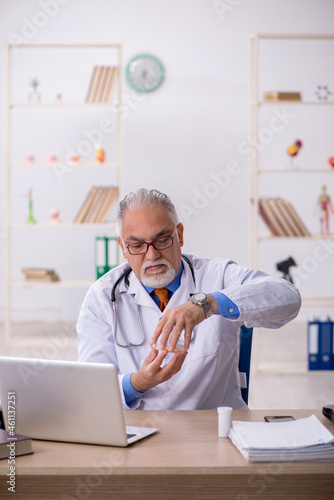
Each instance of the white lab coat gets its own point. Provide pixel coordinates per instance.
(209, 376)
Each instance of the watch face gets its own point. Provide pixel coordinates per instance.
(199, 296)
(144, 73)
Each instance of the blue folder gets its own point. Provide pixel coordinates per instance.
(326, 344)
(313, 330)
(332, 356)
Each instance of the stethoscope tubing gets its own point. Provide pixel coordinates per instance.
(125, 276)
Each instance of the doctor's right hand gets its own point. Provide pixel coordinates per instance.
(152, 374)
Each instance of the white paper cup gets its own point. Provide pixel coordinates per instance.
(224, 420)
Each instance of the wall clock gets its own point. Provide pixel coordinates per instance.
(144, 73)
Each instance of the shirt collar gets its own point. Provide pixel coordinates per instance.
(173, 285)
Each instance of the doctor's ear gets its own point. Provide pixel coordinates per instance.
(121, 244)
(180, 233)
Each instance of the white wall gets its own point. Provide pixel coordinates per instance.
(178, 137)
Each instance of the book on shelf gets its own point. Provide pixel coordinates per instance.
(296, 220)
(86, 206)
(110, 83)
(281, 218)
(301, 440)
(108, 201)
(269, 218)
(97, 205)
(14, 446)
(102, 84)
(277, 96)
(39, 274)
(93, 84)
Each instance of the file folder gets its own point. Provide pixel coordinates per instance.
(332, 357)
(106, 254)
(325, 345)
(313, 345)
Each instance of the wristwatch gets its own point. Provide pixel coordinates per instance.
(201, 299)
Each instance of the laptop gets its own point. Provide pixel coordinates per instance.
(66, 401)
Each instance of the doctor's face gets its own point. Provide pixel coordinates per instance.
(155, 268)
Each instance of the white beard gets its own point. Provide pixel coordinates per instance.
(159, 280)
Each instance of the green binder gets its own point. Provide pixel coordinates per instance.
(106, 254)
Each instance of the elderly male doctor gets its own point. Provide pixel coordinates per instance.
(205, 300)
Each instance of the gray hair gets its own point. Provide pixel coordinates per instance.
(144, 198)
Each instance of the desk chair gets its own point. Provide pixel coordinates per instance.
(245, 348)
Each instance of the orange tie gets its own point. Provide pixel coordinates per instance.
(162, 294)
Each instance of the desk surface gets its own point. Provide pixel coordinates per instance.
(185, 456)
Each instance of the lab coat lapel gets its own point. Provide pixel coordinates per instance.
(187, 287)
(138, 291)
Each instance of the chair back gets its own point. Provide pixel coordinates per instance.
(245, 349)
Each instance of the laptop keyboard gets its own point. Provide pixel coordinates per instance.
(130, 435)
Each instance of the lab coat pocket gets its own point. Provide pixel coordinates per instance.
(205, 341)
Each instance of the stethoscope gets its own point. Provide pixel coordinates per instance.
(125, 277)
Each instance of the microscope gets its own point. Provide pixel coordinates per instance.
(284, 267)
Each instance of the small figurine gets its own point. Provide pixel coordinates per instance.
(52, 159)
(99, 154)
(323, 93)
(54, 216)
(29, 159)
(331, 161)
(30, 218)
(294, 149)
(34, 95)
(73, 160)
(324, 204)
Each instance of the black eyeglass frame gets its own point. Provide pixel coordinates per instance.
(148, 244)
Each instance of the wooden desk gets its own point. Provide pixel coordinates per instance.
(186, 459)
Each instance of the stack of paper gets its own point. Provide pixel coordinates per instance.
(303, 440)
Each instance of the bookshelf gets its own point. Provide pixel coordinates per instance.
(268, 161)
(68, 114)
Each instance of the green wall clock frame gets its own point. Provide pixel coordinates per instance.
(144, 72)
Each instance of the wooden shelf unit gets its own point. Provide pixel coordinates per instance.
(116, 54)
(256, 171)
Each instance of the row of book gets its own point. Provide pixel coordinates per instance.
(276, 96)
(320, 345)
(102, 85)
(39, 274)
(281, 218)
(97, 205)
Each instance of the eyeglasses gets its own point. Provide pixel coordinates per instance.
(159, 244)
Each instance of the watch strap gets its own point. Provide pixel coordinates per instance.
(204, 304)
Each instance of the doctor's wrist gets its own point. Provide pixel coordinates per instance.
(213, 303)
(130, 393)
(136, 383)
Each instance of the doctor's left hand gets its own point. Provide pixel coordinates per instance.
(151, 373)
(174, 321)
